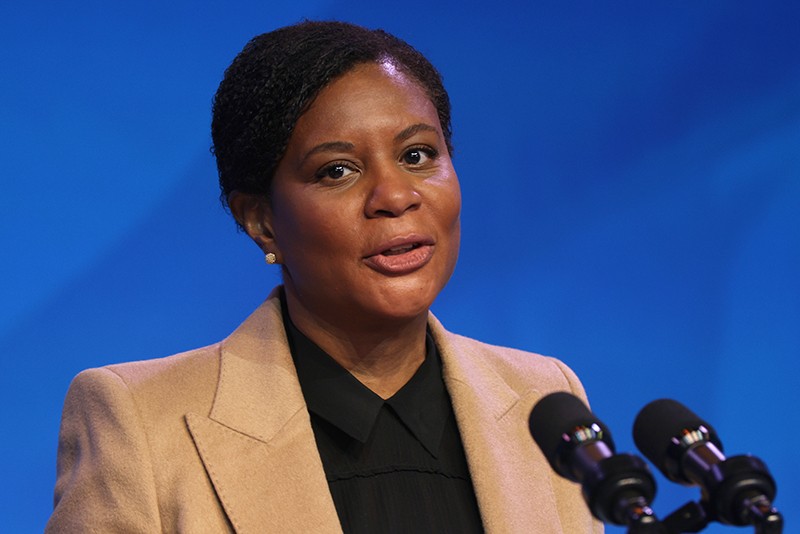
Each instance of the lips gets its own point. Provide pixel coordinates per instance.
(401, 249)
(401, 255)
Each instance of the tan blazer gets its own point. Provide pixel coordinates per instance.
(219, 440)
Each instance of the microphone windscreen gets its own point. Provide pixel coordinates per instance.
(661, 421)
(557, 414)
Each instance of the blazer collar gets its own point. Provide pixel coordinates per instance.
(513, 482)
(259, 449)
(257, 443)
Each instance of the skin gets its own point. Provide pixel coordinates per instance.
(366, 168)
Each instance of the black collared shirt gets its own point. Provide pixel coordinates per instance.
(392, 466)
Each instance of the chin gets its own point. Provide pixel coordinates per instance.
(404, 302)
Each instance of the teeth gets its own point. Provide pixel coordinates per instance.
(399, 250)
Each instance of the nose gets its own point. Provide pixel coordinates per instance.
(393, 192)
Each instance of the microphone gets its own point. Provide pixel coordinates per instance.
(737, 491)
(618, 488)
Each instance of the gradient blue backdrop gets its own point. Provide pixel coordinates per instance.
(630, 174)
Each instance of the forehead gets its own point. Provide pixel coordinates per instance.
(370, 95)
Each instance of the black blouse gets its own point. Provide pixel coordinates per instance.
(392, 466)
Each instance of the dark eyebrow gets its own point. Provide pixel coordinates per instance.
(332, 146)
(414, 129)
(344, 146)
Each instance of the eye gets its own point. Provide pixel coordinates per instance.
(418, 155)
(335, 171)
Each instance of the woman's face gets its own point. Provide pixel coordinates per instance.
(364, 214)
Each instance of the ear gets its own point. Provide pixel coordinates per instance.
(254, 214)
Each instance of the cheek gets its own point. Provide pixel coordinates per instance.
(295, 226)
(451, 203)
(448, 215)
(455, 208)
(312, 230)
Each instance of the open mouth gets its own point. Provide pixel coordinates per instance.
(402, 249)
(401, 257)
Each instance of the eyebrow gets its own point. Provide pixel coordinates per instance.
(332, 146)
(344, 146)
(414, 129)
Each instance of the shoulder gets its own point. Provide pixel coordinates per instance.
(190, 367)
(511, 362)
(123, 432)
(157, 387)
(184, 382)
(518, 368)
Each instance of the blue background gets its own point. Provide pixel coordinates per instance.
(630, 174)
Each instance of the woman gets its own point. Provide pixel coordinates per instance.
(341, 403)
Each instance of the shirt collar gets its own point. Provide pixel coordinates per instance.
(334, 394)
(423, 403)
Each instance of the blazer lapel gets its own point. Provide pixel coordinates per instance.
(512, 479)
(257, 443)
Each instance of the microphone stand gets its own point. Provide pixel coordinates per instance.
(691, 517)
(695, 516)
(766, 518)
(640, 517)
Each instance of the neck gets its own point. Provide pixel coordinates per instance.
(382, 355)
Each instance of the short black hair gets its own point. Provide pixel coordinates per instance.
(275, 79)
